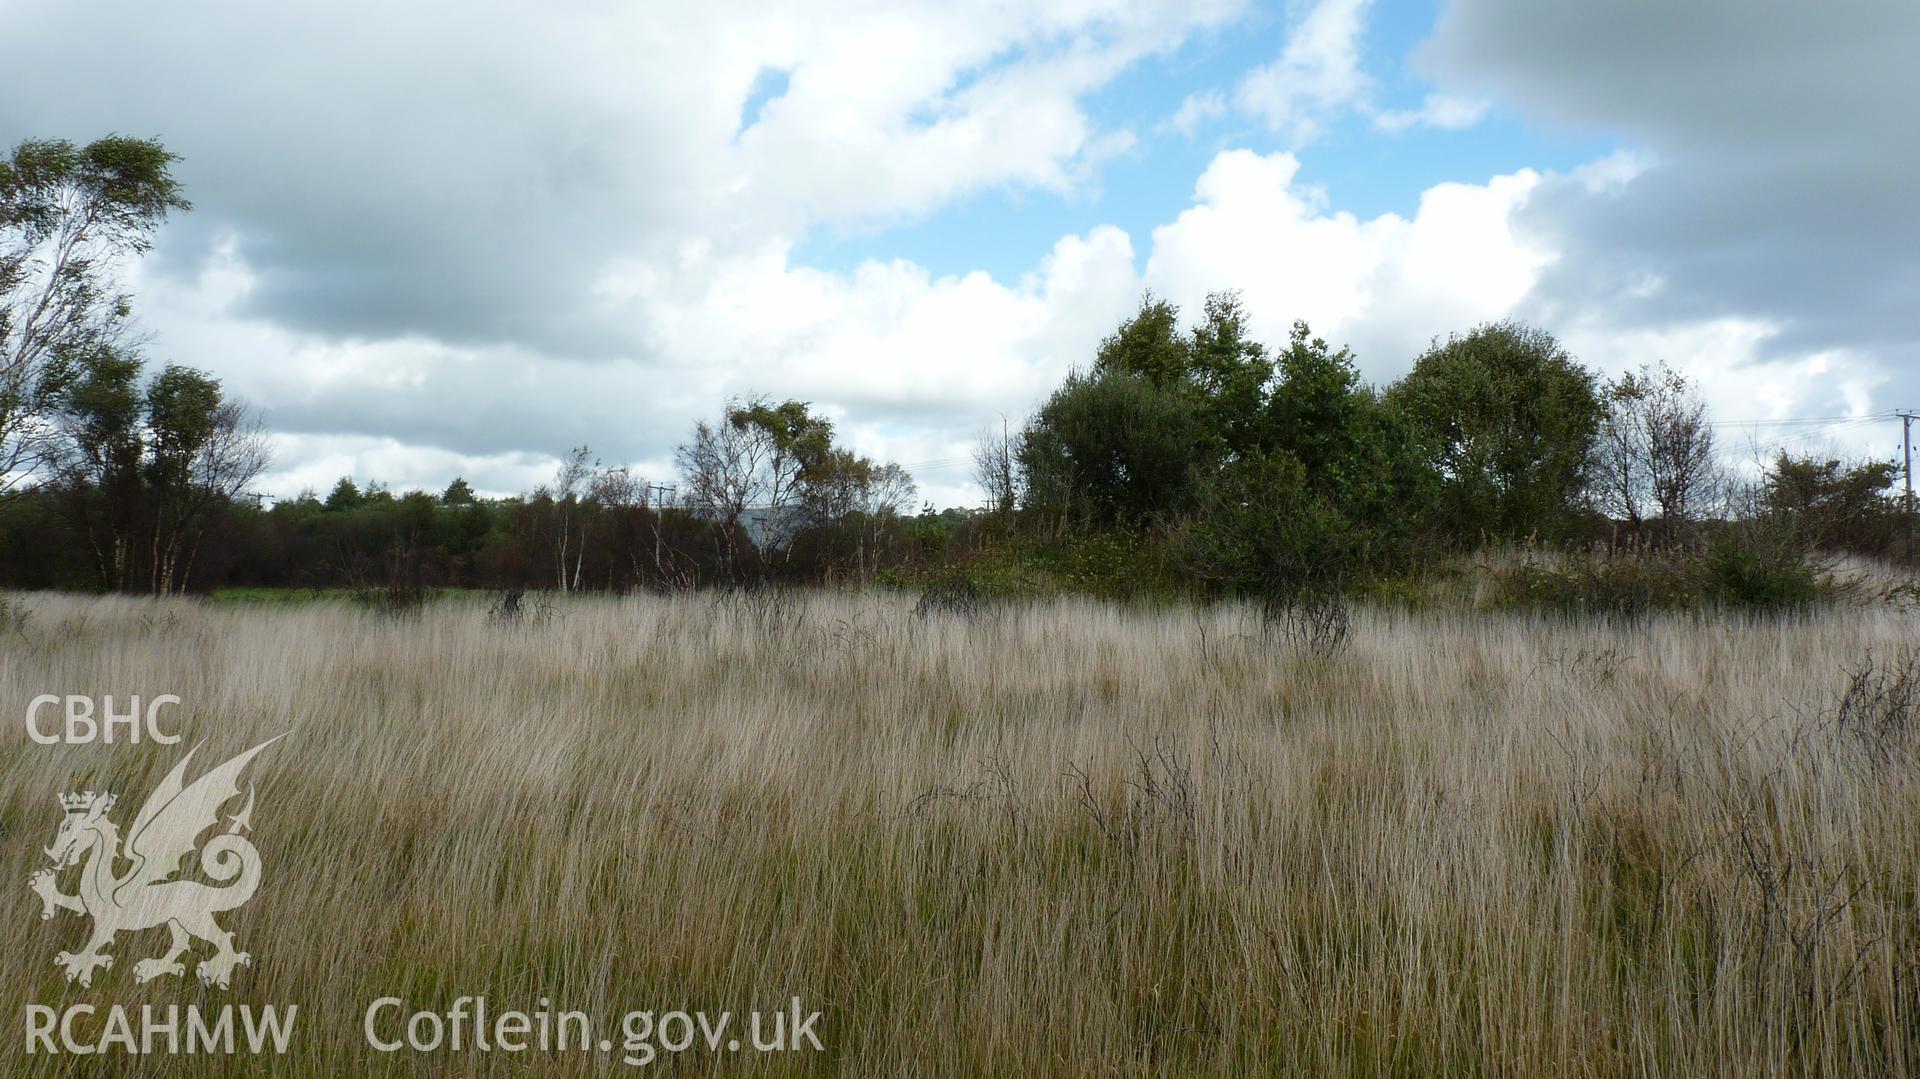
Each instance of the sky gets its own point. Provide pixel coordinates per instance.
(442, 239)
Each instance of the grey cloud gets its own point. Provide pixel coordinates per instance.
(467, 170)
(1784, 155)
(389, 169)
(465, 173)
(470, 413)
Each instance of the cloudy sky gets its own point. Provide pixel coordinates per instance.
(436, 238)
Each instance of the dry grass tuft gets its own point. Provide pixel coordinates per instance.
(1069, 839)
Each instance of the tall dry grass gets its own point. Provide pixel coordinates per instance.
(1063, 839)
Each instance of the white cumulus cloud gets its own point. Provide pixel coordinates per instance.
(1386, 284)
(1317, 73)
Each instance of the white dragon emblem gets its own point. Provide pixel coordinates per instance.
(166, 830)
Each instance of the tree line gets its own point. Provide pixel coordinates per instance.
(1186, 457)
(1196, 458)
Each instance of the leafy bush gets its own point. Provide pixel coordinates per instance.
(1407, 591)
(1509, 419)
(1110, 448)
(1639, 583)
(1260, 530)
(1110, 565)
(1751, 577)
(951, 591)
(1732, 575)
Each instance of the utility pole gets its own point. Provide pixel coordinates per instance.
(666, 491)
(1906, 447)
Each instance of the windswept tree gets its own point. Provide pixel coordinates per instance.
(1833, 504)
(795, 451)
(771, 473)
(759, 458)
(68, 215)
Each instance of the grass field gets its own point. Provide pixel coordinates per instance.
(1061, 839)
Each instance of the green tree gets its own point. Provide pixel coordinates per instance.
(1833, 504)
(1256, 526)
(1149, 344)
(761, 457)
(1122, 443)
(1218, 365)
(1231, 372)
(67, 214)
(344, 496)
(1337, 488)
(1509, 420)
(1266, 468)
(1358, 452)
(1317, 410)
(103, 419)
(202, 453)
(147, 469)
(1111, 448)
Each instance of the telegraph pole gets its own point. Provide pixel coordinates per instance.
(1906, 448)
(666, 490)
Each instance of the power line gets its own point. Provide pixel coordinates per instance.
(937, 461)
(1799, 421)
(1817, 432)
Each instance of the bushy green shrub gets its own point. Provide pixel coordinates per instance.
(1610, 587)
(1110, 449)
(1110, 565)
(1731, 575)
(1259, 528)
(1752, 577)
(952, 590)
